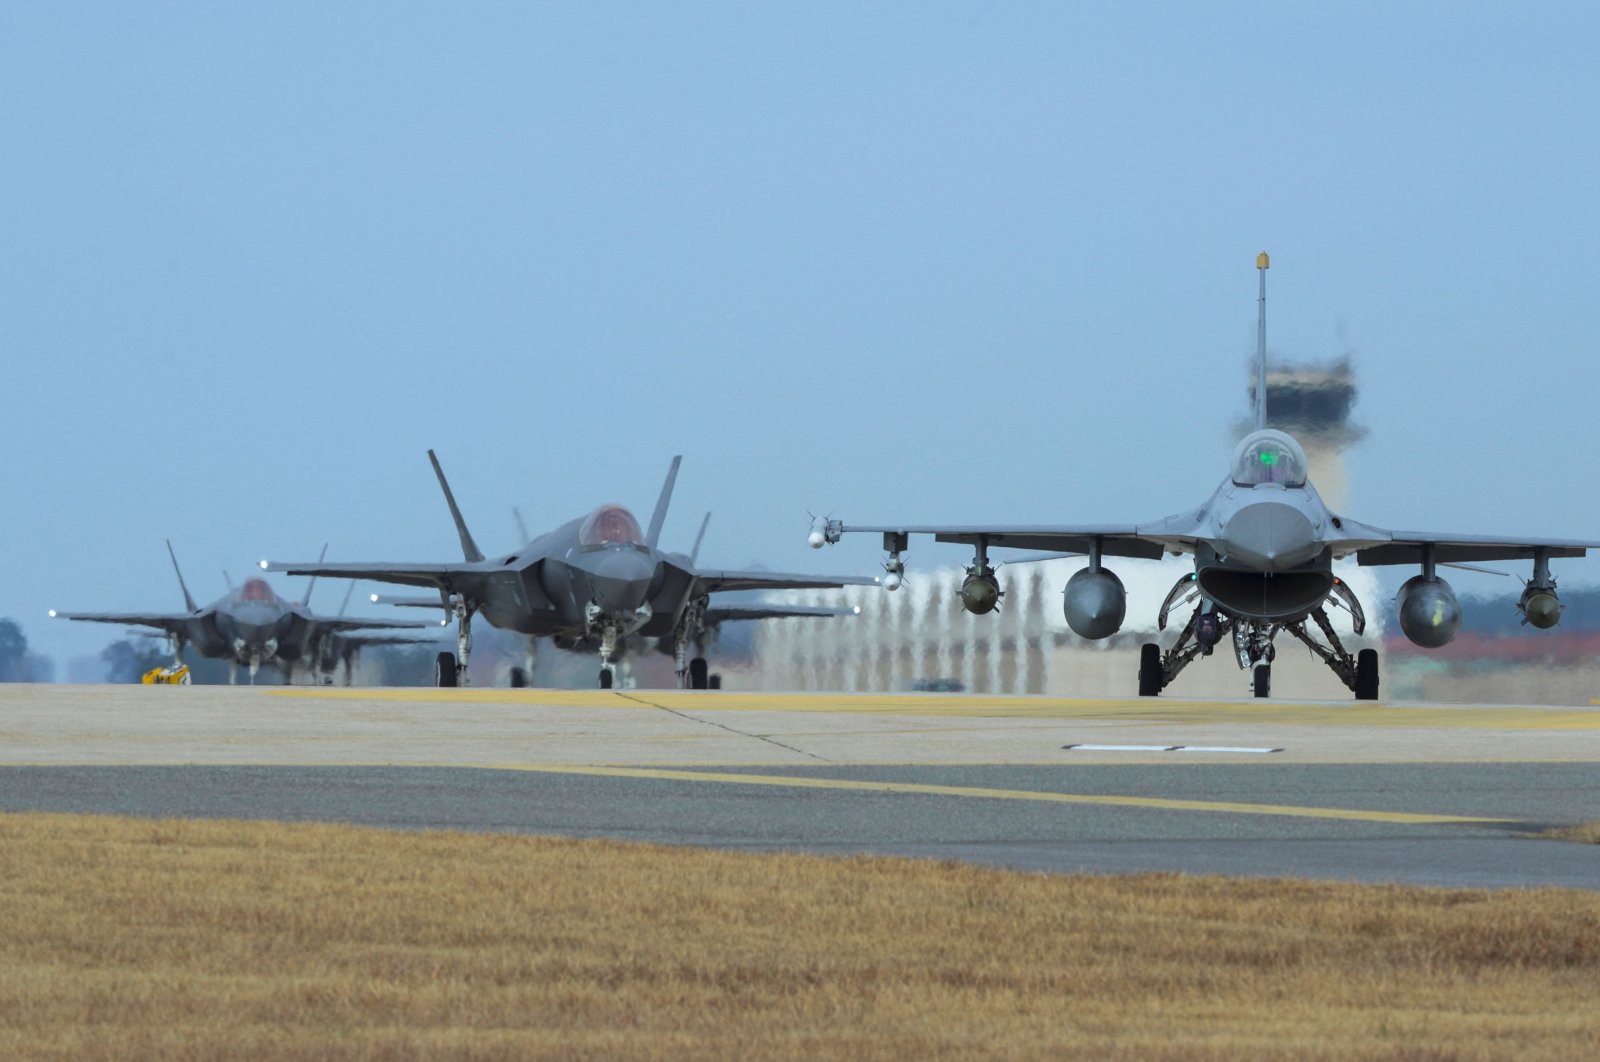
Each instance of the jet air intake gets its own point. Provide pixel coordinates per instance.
(1430, 615)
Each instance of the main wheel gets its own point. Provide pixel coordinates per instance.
(1367, 675)
(519, 678)
(713, 682)
(1262, 686)
(697, 673)
(1149, 669)
(606, 678)
(444, 670)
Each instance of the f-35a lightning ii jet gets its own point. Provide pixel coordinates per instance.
(589, 583)
(1263, 546)
(250, 625)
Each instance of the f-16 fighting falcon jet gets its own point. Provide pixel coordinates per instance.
(250, 625)
(1263, 546)
(589, 583)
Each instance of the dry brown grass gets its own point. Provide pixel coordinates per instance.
(1588, 833)
(219, 939)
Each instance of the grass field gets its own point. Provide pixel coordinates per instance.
(220, 939)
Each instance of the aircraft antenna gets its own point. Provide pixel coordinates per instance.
(1262, 263)
(188, 602)
(312, 585)
(694, 554)
(659, 517)
(469, 548)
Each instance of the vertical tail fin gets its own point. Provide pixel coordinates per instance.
(312, 585)
(522, 527)
(347, 592)
(652, 536)
(694, 554)
(1262, 262)
(469, 548)
(188, 601)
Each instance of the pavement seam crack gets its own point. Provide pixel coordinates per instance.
(722, 726)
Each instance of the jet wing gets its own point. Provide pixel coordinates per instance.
(724, 613)
(341, 623)
(441, 576)
(1406, 547)
(1150, 541)
(164, 621)
(711, 582)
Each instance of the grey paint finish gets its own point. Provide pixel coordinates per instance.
(250, 625)
(1263, 546)
(597, 583)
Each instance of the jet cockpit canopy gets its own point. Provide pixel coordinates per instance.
(1269, 456)
(610, 525)
(256, 590)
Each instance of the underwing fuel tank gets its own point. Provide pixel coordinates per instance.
(1095, 603)
(1430, 615)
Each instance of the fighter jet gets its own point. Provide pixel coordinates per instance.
(250, 625)
(703, 638)
(1263, 546)
(588, 584)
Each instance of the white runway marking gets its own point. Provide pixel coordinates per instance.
(1165, 748)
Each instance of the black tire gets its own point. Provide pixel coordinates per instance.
(714, 682)
(519, 678)
(444, 670)
(1367, 675)
(1149, 670)
(697, 673)
(606, 678)
(1262, 683)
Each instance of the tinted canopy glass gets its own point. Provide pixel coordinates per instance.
(1269, 457)
(256, 590)
(610, 525)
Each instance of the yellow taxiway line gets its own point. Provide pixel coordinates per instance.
(792, 782)
(977, 706)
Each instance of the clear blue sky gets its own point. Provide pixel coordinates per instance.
(931, 262)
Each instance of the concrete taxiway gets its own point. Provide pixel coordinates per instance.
(1373, 791)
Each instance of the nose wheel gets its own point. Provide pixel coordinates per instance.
(1261, 680)
(608, 676)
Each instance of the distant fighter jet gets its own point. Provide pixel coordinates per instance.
(588, 584)
(1263, 547)
(250, 625)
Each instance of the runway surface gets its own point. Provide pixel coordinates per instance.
(1371, 792)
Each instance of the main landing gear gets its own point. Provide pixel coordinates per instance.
(450, 669)
(695, 673)
(1252, 644)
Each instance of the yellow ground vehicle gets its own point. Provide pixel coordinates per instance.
(172, 675)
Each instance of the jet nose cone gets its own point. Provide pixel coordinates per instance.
(1271, 536)
(621, 580)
